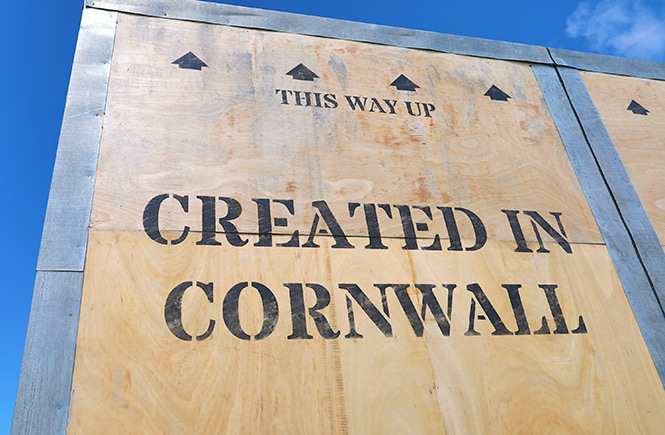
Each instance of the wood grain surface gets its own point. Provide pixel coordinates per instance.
(639, 139)
(223, 131)
(132, 372)
(161, 346)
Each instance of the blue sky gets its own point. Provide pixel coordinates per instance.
(37, 43)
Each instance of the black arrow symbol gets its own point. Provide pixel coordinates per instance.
(402, 83)
(637, 108)
(496, 94)
(189, 61)
(301, 72)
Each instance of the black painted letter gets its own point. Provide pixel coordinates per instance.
(298, 317)
(173, 310)
(232, 318)
(151, 218)
(368, 307)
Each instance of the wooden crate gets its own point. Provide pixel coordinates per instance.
(300, 232)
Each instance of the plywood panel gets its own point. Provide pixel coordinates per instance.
(224, 131)
(639, 139)
(195, 318)
(132, 372)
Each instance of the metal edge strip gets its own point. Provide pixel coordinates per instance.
(254, 18)
(239, 16)
(42, 401)
(630, 208)
(609, 64)
(44, 389)
(634, 279)
(65, 233)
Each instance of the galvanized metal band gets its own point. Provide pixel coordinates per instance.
(42, 402)
(633, 276)
(608, 64)
(239, 16)
(65, 233)
(214, 13)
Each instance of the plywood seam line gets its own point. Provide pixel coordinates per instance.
(45, 383)
(305, 234)
(634, 278)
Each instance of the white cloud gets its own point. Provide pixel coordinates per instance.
(621, 27)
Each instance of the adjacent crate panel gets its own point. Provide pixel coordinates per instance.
(633, 111)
